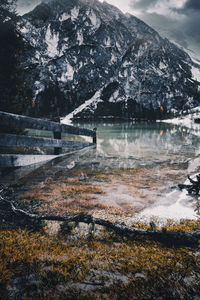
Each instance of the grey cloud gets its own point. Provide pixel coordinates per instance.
(144, 4)
(190, 7)
(184, 30)
(192, 4)
(166, 27)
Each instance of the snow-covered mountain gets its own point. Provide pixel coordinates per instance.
(85, 51)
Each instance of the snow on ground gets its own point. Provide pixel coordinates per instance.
(188, 120)
(94, 100)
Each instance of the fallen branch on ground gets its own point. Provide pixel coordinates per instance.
(167, 237)
(192, 188)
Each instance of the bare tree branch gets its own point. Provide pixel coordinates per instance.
(166, 237)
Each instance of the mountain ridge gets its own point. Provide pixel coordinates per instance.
(80, 47)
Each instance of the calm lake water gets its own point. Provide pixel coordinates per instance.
(160, 147)
(168, 151)
(128, 145)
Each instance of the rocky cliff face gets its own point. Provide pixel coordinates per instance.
(89, 56)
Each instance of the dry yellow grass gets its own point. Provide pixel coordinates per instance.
(63, 264)
(59, 268)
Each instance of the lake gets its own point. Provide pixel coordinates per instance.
(129, 145)
(149, 159)
(164, 151)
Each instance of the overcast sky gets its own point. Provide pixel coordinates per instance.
(178, 20)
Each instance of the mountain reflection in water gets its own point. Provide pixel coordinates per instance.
(130, 145)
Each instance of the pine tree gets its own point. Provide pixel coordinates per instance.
(12, 83)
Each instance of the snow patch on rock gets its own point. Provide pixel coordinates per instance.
(95, 21)
(74, 13)
(39, 87)
(162, 65)
(70, 71)
(52, 40)
(64, 17)
(196, 73)
(114, 97)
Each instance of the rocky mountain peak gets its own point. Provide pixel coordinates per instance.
(82, 48)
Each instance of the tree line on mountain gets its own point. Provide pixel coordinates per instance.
(14, 92)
